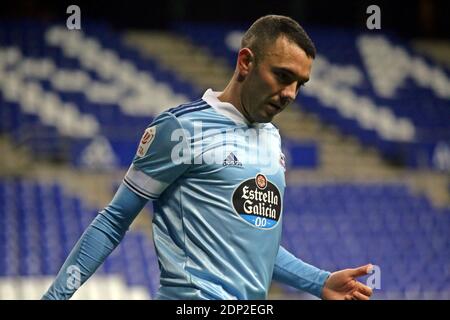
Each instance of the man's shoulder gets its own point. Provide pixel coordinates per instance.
(188, 108)
(177, 115)
(199, 114)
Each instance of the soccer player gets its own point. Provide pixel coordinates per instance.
(215, 171)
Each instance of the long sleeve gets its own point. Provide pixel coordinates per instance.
(96, 243)
(298, 274)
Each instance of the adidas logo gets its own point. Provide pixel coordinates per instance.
(231, 160)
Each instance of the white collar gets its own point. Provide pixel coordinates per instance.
(226, 108)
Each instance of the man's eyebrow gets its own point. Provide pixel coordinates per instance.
(301, 79)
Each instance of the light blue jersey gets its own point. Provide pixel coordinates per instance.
(217, 183)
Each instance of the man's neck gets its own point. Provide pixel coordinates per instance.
(232, 94)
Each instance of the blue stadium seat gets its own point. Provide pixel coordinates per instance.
(402, 233)
(39, 225)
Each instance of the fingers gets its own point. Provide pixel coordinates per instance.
(361, 271)
(362, 292)
(359, 296)
(365, 290)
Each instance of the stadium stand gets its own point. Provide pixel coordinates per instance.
(63, 91)
(342, 224)
(40, 224)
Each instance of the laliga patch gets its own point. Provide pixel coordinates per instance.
(146, 141)
(283, 161)
(258, 202)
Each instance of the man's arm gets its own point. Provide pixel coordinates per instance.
(339, 285)
(96, 243)
(151, 171)
(298, 274)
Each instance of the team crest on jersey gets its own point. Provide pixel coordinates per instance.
(146, 141)
(261, 181)
(258, 202)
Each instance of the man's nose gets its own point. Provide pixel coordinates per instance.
(289, 93)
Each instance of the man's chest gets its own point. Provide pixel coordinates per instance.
(247, 175)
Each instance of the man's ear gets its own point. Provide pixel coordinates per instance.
(246, 61)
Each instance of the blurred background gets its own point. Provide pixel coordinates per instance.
(367, 142)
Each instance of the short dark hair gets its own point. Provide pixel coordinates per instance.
(269, 28)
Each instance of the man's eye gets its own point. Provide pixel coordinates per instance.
(283, 77)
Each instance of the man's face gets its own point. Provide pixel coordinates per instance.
(274, 81)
